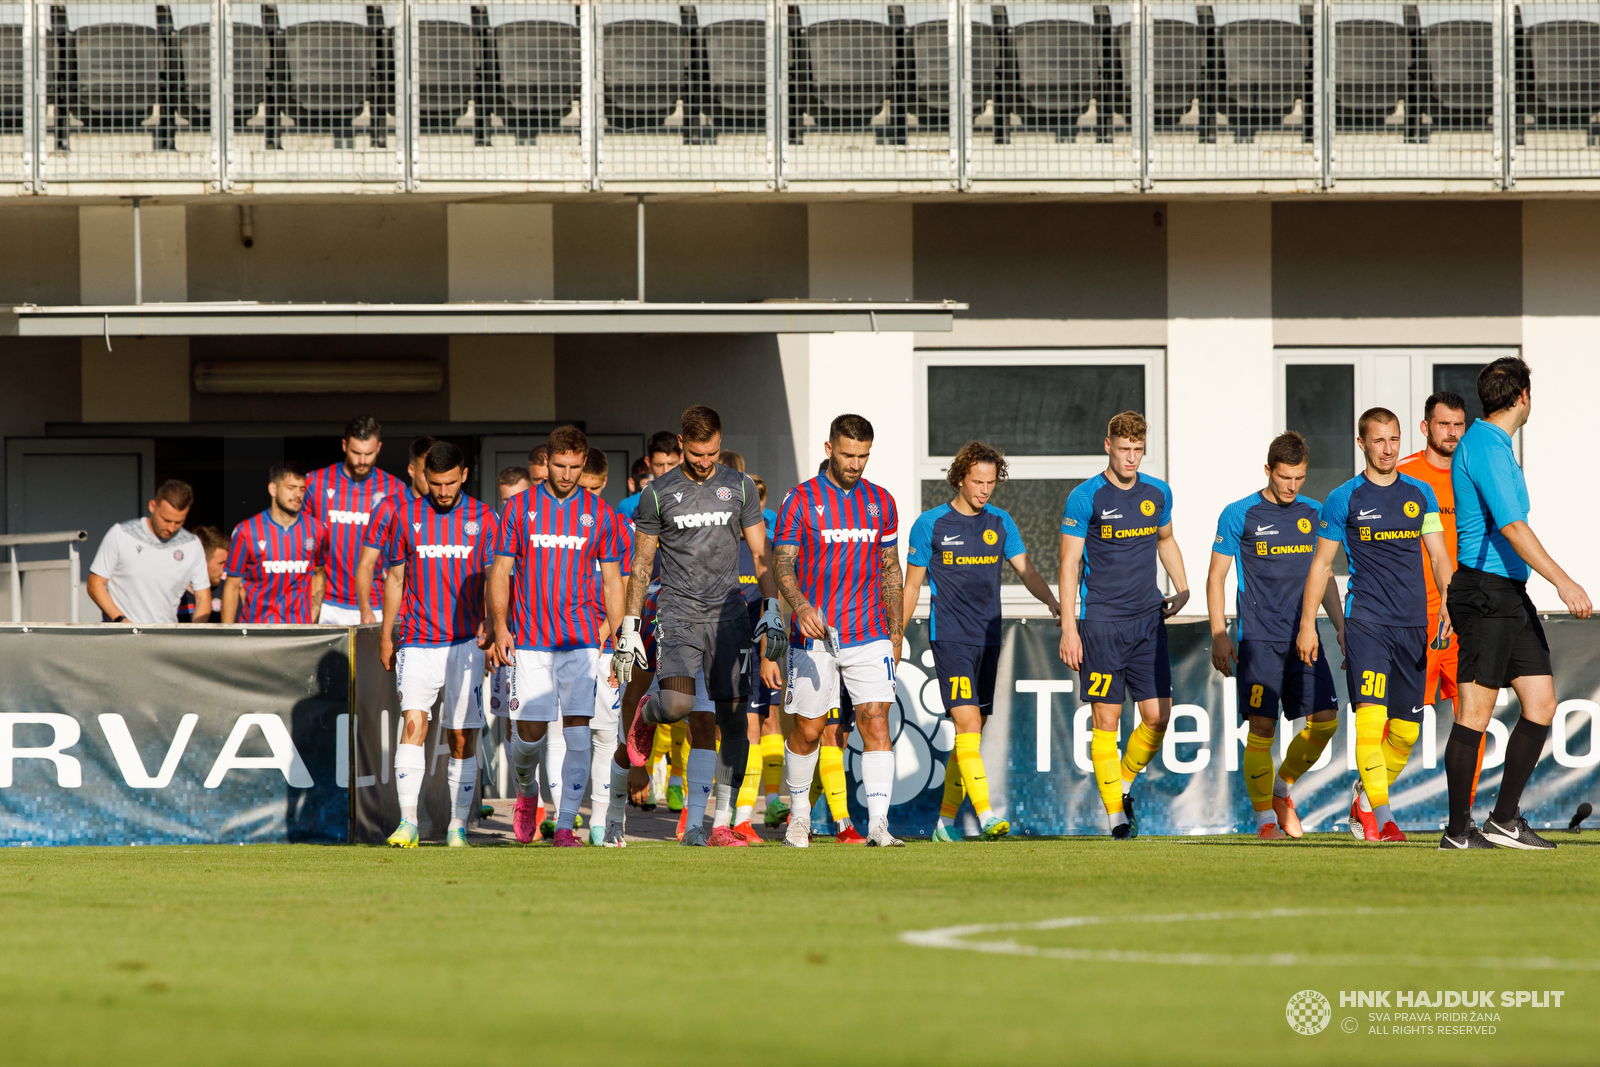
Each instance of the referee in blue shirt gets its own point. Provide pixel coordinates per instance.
(1501, 641)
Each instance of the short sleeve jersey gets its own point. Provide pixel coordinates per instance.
(558, 546)
(1490, 494)
(1273, 544)
(274, 565)
(1381, 528)
(964, 556)
(1119, 528)
(699, 527)
(380, 528)
(1418, 467)
(146, 576)
(841, 535)
(347, 505)
(445, 554)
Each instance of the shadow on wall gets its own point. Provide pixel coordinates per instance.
(320, 813)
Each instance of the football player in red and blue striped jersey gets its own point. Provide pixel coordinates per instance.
(438, 558)
(838, 566)
(380, 527)
(549, 624)
(276, 559)
(344, 495)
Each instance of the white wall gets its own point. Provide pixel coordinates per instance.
(497, 378)
(501, 252)
(1219, 369)
(1561, 342)
(105, 254)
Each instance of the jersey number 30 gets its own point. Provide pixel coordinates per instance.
(1373, 684)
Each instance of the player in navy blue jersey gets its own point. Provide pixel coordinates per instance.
(1116, 525)
(1383, 519)
(838, 565)
(551, 622)
(380, 528)
(696, 515)
(960, 547)
(275, 564)
(345, 495)
(1273, 535)
(435, 632)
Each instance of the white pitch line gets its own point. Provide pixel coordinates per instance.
(954, 937)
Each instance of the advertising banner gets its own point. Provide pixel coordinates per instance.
(1036, 745)
(144, 735)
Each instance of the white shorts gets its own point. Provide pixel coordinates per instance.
(500, 692)
(548, 685)
(420, 673)
(814, 674)
(334, 615)
(702, 698)
(607, 701)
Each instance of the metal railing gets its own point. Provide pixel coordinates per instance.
(15, 568)
(939, 93)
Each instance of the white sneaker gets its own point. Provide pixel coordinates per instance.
(798, 835)
(695, 835)
(880, 837)
(616, 836)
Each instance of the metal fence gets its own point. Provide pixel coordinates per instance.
(941, 93)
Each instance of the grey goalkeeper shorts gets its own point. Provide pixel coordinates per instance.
(720, 648)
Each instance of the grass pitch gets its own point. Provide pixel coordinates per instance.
(664, 955)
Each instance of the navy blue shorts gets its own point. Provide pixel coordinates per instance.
(761, 696)
(966, 674)
(1387, 665)
(843, 716)
(1125, 657)
(1271, 674)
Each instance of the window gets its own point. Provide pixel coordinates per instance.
(1047, 411)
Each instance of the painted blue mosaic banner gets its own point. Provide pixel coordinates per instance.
(124, 735)
(1036, 745)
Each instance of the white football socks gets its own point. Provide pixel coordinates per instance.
(798, 771)
(724, 815)
(409, 767)
(574, 774)
(525, 759)
(742, 814)
(619, 796)
(555, 756)
(1383, 814)
(1264, 817)
(462, 776)
(602, 746)
(877, 777)
(702, 769)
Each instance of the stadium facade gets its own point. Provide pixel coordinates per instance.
(956, 219)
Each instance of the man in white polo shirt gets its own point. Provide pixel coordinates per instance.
(144, 566)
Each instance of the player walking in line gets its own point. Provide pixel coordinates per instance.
(380, 528)
(1272, 533)
(663, 452)
(1444, 420)
(550, 626)
(763, 707)
(608, 780)
(435, 588)
(1502, 643)
(959, 546)
(344, 495)
(1116, 525)
(538, 463)
(696, 514)
(275, 567)
(838, 565)
(1383, 519)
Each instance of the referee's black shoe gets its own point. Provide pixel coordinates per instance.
(1133, 815)
(1516, 834)
(1470, 838)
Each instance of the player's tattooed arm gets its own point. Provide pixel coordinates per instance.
(644, 561)
(892, 589)
(785, 559)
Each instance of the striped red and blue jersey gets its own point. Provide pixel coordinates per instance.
(446, 555)
(274, 565)
(841, 536)
(380, 529)
(347, 505)
(624, 533)
(558, 546)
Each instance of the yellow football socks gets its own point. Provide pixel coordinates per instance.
(1370, 762)
(680, 750)
(954, 791)
(771, 764)
(1258, 771)
(1397, 745)
(1306, 749)
(752, 778)
(1142, 748)
(1107, 773)
(973, 780)
(830, 769)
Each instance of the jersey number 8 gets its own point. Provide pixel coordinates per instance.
(1256, 693)
(1373, 684)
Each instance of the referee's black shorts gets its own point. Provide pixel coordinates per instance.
(1497, 629)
